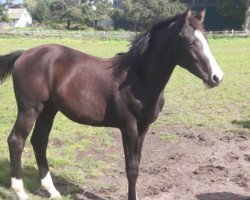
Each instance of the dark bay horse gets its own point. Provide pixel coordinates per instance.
(125, 91)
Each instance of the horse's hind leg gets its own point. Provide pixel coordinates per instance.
(39, 141)
(16, 141)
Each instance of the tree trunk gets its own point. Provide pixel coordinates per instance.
(95, 24)
(247, 16)
(68, 24)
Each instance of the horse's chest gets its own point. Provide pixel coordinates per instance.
(146, 110)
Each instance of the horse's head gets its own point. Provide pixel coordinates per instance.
(193, 50)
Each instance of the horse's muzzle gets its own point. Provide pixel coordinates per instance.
(214, 81)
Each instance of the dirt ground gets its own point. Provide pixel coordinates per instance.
(198, 164)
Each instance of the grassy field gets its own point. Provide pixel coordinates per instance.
(223, 109)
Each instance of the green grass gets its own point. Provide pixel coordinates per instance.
(168, 137)
(223, 109)
(102, 48)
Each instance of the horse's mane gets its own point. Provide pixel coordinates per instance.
(141, 43)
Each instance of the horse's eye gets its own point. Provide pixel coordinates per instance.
(192, 43)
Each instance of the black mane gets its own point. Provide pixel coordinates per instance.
(141, 43)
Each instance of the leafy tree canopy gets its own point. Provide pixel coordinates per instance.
(66, 11)
(69, 11)
(234, 9)
(39, 9)
(103, 9)
(140, 13)
(3, 15)
(143, 12)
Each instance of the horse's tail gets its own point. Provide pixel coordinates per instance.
(6, 64)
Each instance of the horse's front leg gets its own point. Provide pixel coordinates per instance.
(141, 136)
(132, 153)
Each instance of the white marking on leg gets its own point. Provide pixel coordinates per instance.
(48, 185)
(137, 196)
(216, 70)
(17, 186)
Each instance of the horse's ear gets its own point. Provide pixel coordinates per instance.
(187, 15)
(201, 15)
(184, 18)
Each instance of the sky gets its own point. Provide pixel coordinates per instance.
(15, 1)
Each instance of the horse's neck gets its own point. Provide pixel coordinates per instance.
(157, 71)
(159, 63)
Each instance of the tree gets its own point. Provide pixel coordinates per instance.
(143, 12)
(102, 10)
(69, 11)
(39, 9)
(3, 15)
(246, 25)
(231, 8)
(30, 5)
(9, 2)
(117, 14)
(237, 10)
(88, 14)
(73, 12)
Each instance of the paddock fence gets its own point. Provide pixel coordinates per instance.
(105, 35)
(228, 33)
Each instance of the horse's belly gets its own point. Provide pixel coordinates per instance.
(87, 107)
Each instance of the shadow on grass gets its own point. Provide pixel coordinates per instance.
(243, 123)
(32, 184)
(221, 196)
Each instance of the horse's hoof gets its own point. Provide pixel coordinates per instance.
(17, 186)
(55, 195)
(22, 195)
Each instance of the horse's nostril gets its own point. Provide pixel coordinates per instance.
(215, 79)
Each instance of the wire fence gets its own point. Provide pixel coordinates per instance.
(105, 35)
(229, 33)
(68, 34)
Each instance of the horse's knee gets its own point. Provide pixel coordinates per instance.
(12, 139)
(15, 143)
(132, 172)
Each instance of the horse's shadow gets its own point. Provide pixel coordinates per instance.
(243, 123)
(221, 196)
(33, 186)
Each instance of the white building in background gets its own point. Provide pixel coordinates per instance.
(19, 17)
